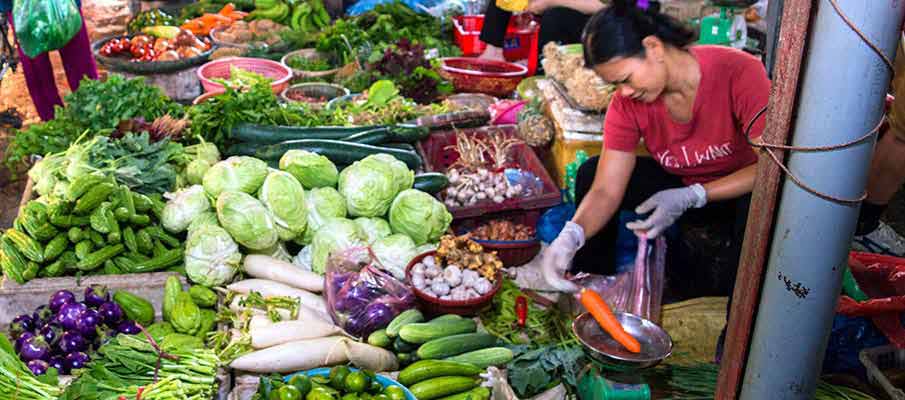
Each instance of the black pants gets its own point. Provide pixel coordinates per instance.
(690, 272)
(558, 25)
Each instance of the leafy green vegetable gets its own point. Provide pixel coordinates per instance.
(247, 220)
(336, 235)
(17, 382)
(308, 64)
(538, 370)
(420, 216)
(211, 255)
(285, 198)
(100, 105)
(544, 326)
(242, 79)
(237, 173)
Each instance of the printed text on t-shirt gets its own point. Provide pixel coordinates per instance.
(693, 157)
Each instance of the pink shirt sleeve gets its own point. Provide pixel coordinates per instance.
(750, 93)
(620, 129)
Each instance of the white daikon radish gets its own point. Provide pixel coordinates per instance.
(300, 355)
(373, 358)
(305, 312)
(259, 321)
(266, 267)
(290, 331)
(268, 288)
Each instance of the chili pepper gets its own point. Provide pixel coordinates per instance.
(521, 310)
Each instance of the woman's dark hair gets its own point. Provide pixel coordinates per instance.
(617, 31)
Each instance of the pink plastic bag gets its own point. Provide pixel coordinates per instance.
(360, 297)
(638, 291)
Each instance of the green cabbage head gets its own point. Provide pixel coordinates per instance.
(247, 220)
(184, 206)
(205, 218)
(420, 216)
(394, 253)
(284, 197)
(337, 235)
(195, 171)
(369, 186)
(374, 228)
(403, 177)
(239, 174)
(312, 170)
(322, 203)
(211, 256)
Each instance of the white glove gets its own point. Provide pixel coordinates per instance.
(667, 206)
(558, 257)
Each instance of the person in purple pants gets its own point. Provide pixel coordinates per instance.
(78, 62)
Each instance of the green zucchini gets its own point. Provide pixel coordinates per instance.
(431, 182)
(337, 151)
(373, 136)
(262, 134)
(400, 146)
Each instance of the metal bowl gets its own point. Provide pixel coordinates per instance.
(656, 344)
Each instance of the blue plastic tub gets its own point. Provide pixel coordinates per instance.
(384, 381)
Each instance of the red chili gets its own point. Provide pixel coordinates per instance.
(521, 310)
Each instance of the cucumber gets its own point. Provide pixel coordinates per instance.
(264, 134)
(427, 369)
(494, 356)
(409, 133)
(431, 182)
(454, 345)
(404, 318)
(337, 151)
(401, 346)
(478, 393)
(425, 332)
(379, 338)
(373, 136)
(400, 146)
(447, 317)
(443, 386)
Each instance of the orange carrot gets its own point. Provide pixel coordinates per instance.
(227, 9)
(604, 316)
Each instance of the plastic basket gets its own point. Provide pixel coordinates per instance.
(279, 73)
(878, 359)
(520, 43)
(434, 306)
(438, 156)
(512, 253)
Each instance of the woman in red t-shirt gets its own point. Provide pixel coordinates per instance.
(690, 105)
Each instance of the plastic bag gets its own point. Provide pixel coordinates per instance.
(638, 291)
(44, 25)
(360, 297)
(880, 278)
(848, 337)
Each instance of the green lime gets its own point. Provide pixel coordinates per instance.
(302, 383)
(375, 387)
(287, 392)
(364, 396)
(338, 376)
(318, 394)
(351, 396)
(381, 397)
(356, 382)
(394, 392)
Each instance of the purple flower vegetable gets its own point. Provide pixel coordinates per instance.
(111, 313)
(95, 295)
(69, 315)
(21, 324)
(128, 327)
(51, 333)
(24, 337)
(87, 324)
(72, 341)
(42, 315)
(77, 360)
(35, 348)
(59, 363)
(38, 367)
(61, 298)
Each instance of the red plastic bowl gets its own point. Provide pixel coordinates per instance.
(474, 75)
(279, 73)
(434, 306)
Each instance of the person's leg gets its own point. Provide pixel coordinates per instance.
(39, 80)
(561, 25)
(494, 30)
(78, 61)
(598, 255)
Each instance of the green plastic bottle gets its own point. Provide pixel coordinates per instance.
(594, 386)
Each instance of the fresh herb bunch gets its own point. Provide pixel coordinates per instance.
(308, 64)
(100, 105)
(544, 326)
(52, 136)
(418, 79)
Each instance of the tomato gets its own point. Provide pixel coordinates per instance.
(394, 392)
(302, 383)
(356, 382)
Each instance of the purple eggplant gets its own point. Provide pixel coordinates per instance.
(38, 367)
(35, 348)
(87, 324)
(72, 341)
(61, 298)
(377, 315)
(69, 315)
(128, 327)
(95, 295)
(42, 315)
(51, 333)
(77, 360)
(25, 336)
(355, 325)
(59, 363)
(21, 324)
(111, 313)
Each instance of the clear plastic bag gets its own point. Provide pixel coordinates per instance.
(44, 25)
(639, 290)
(360, 297)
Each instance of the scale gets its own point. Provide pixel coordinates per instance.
(728, 27)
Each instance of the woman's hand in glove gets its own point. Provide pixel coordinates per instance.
(558, 257)
(667, 206)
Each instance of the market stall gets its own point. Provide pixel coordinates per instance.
(349, 211)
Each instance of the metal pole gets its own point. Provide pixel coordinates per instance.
(843, 88)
